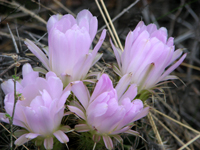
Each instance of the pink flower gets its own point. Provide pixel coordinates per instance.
(39, 108)
(109, 110)
(146, 55)
(70, 39)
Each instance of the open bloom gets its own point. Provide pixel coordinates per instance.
(69, 41)
(146, 55)
(109, 110)
(39, 108)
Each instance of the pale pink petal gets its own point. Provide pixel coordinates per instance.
(108, 142)
(141, 114)
(52, 20)
(21, 140)
(172, 68)
(8, 86)
(121, 130)
(132, 132)
(96, 138)
(130, 93)
(123, 84)
(77, 111)
(82, 128)
(104, 84)
(117, 52)
(37, 52)
(61, 136)
(81, 92)
(31, 136)
(48, 143)
(4, 118)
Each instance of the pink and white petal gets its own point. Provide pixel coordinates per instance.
(31, 136)
(48, 143)
(26, 69)
(4, 118)
(57, 117)
(29, 79)
(61, 136)
(108, 142)
(141, 114)
(84, 14)
(82, 67)
(21, 140)
(172, 68)
(56, 87)
(82, 128)
(58, 52)
(119, 139)
(132, 132)
(63, 98)
(170, 77)
(176, 55)
(32, 120)
(78, 105)
(52, 21)
(66, 79)
(66, 128)
(117, 71)
(97, 57)
(117, 54)
(96, 138)
(84, 23)
(103, 85)
(37, 52)
(120, 130)
(123, 84)
(151, 28)
(81, 92)
(130, 93)
(93, 27)
(8, 86)
(77, 111)
(98, 45)
(50, 74)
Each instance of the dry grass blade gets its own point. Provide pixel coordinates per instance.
(112, 26)
(13, 39)
(63, 7)
(104, 18)
(176, 137)
(155, 130)
(190, 66)
(180, 123)
(9, 36)
(190, 142)
(27, 11)
(12, 135)
(121, 13)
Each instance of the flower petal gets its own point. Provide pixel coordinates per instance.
(48, 143)
(108, 142)
(82, 128)
(61, 136)
(77, 111)
(37, 52)
(81, 92)
(103, 85)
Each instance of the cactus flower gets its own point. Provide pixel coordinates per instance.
(108, 111)
(69, 42)
(146, 55)
(39, 107)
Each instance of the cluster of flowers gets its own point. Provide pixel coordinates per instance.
(108, 111)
